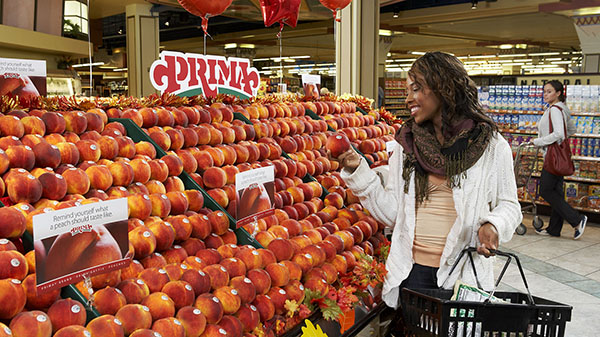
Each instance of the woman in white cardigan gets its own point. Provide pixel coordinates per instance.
(450, 183)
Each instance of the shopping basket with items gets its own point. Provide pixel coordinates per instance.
(434, 312)
(525, 165)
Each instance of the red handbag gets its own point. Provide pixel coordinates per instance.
(558, 156)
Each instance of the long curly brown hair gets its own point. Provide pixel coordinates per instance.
(447, 78)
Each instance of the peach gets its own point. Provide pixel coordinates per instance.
(201, 226)
(105, 325)
(143, 240)
(131, 271)
(154, 260)
(265, 238)
(232, 326)
(13, 265)
(175, 254)
(134, 290)
(141, 170)
(244, 287)
(175, 270)
(66, 312)
(109, 147)
(304, 260)
(267, 256)
(250, 257)
(198, 279)
(154, 278)
(35, 300)
(73, 331)
(179, 203)
(12, 295)
(100, 177)
(126, 147)
(265, 307)
(219, 276)
(122, 173)
(109, 300)
(134, 317)
(295, 291)
(234, 267)
(158, 170)
(174, 183)
(261, 280)
(110, 279)
(88, 150)
(209, 255)
(20, 156)
(8, 245)
(211, 307)
(31, 323)
(182, 226)
(174, 164)
(195, 200)
(31, 125)
(280, 275)
(282, 249)
(160, 305)
(169, 326)
(278, 297)
(193, 321)
(164, 234)
(161, 206)
(214, 177)
(12, 223)
(180, 292)
(77, 181)
(23, 187)
(46, 155)
(229, 299)
(145, 148)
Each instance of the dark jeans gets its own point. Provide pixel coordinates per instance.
(551, 189)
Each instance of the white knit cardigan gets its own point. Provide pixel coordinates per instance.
(488, 194)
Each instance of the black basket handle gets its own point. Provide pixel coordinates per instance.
(509, 257)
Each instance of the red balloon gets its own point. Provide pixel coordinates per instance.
(205, 9)
(282, 11)
(335, 5)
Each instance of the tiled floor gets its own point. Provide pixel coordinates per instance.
(562, 270)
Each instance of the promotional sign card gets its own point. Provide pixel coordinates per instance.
(255, 190)
(312, 85)
(23, 78)
(80, 241)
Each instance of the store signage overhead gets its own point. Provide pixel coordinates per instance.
(195, 74)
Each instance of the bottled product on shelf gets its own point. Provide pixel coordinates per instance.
(517, 110)
(395, 96)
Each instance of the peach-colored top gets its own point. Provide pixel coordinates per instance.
(435, 218)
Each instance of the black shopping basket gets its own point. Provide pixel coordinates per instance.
(430, 312)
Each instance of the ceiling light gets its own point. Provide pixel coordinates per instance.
(417, 52)
(474, 4)
(396, 14)
(88, 64)
(521, 46)
(247, 45)
(544, 54)
(506, 46)
(513, 55)
(261, 59)
(120, 69)
(167, 23)
(385, 32)
(230, 45)
(300, 57)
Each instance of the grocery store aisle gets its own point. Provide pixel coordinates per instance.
(560, 269)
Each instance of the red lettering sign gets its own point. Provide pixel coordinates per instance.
(188, 74)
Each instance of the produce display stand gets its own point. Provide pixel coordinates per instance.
(362, 316)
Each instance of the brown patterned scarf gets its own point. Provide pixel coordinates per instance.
(424, 154)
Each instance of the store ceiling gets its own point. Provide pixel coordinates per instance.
(447, 25)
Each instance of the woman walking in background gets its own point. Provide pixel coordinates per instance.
(551, 186)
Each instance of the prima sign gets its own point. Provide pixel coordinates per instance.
(195, 74)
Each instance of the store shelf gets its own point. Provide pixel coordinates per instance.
(515, 112)
(586, 158)
(587, 114)
(586, 135)
(583, 209)
(520, 132)
(574, 178)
